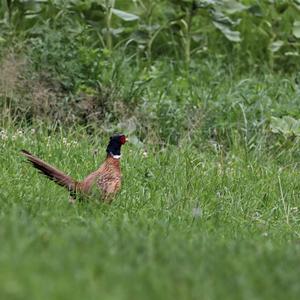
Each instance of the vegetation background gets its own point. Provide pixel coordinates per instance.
(208, 92)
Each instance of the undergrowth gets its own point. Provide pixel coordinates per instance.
(162, 103)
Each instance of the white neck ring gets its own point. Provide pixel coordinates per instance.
(115, 156)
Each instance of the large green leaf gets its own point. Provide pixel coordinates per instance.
(232, 6)
(124, 15)
(291, 53)
(233, 36)
(220, 17)
(296, 29)
(276, 45)
(296, 4)
(286, 125)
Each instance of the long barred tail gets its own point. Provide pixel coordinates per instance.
(51, 172)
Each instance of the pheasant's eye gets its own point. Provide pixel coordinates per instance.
(123, 139)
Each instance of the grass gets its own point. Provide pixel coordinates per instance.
(190, 223)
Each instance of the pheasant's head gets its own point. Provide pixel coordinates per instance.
(114, 146)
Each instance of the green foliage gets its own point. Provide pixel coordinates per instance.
(161, 64)
(159, 102)
(287, 126)
(188, 30)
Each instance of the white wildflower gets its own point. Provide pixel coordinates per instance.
(3, 135)
(197, 212)
(256, 215)
(294, 209)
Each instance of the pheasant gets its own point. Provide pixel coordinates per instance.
(106, 179)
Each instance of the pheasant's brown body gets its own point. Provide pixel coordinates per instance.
(106, 179)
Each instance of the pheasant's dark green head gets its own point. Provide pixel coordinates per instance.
(114, 146)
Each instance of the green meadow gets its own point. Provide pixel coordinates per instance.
(188, 224)
(208, 93)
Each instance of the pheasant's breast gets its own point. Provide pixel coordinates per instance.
(109, 181)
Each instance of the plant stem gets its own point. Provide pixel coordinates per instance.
(188, 37)
(109, 6)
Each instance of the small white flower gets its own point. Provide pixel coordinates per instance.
(32, 130)
(256, 215)
(197, 212)
(3, 135)
(294, 209)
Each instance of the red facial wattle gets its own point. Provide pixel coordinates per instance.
(123, 139)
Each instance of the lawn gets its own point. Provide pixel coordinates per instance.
(189, 223)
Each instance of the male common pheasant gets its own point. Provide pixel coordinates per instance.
(106, 179)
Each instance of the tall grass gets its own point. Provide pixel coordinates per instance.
(188, 223)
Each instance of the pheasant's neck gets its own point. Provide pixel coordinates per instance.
(113, 160)
(114, 156)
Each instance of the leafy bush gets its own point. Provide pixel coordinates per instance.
(172, 68)
(185, 30)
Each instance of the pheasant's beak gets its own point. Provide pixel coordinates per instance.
(126, 139)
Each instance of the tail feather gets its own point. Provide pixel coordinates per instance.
(51, 172)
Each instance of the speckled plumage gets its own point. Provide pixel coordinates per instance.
(107, 180)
